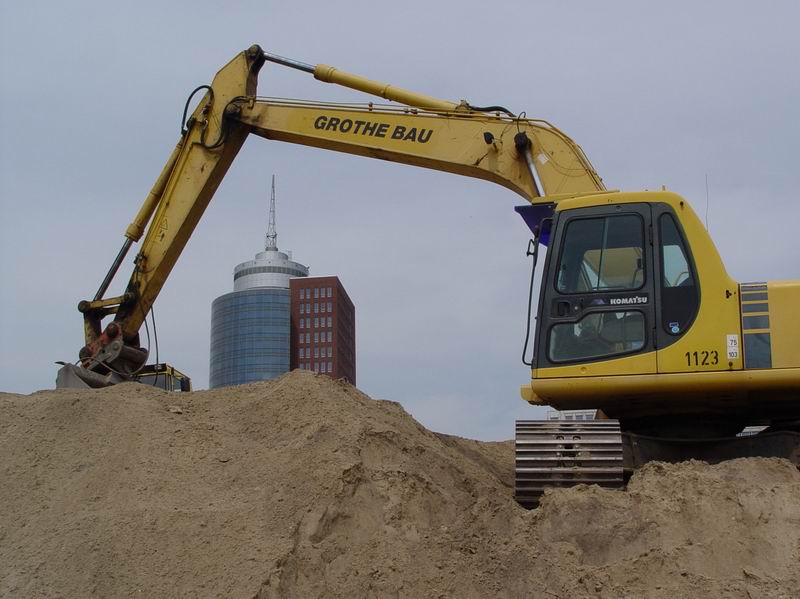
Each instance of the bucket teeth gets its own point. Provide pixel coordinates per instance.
(557, 453)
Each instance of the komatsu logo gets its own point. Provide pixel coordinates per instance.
(627, 301)
(373, 129)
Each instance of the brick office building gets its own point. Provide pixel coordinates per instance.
(323, 327)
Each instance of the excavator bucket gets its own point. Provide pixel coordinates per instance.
(70, 376)
(163, 376)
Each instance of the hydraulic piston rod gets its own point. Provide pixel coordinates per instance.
(329, 74)
(288, 62)
(524, 144)
(114, 268)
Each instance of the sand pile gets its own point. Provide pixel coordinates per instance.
(304, 487)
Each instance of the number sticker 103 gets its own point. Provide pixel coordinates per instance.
(702, 358)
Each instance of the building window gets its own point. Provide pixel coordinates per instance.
(316, 323)
(322, 367)
(308, 337)
(330, 294)
(316, 308)
(316, 337)
(308, 308)
(330, 307)
(316, 352)
(330, 336)
(330, 351)
(316, 292)
(330, 322)
(302, 323)
(302, 311)
(301, 338)
(301, 353)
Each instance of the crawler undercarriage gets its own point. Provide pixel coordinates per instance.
(558, 453)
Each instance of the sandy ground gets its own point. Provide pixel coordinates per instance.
(305, 487)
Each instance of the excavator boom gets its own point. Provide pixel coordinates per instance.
(474, 145)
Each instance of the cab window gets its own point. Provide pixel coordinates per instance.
(599, 334)
(602, 254)
(679, 298)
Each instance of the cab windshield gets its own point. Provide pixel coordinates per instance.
(602, 254)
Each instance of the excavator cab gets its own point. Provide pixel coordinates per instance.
(620, 281)
(620, 304)
(638, 317)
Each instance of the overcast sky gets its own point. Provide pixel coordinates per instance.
(656, 94)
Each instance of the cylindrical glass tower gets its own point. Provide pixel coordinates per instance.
(250, 326)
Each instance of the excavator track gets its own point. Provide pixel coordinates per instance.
(558, 453)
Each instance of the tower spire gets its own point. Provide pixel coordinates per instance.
(272, 234)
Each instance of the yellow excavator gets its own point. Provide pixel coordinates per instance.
(637, 317)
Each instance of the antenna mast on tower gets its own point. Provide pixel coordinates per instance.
(272, 234)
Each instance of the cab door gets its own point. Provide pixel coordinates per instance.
(597, 305)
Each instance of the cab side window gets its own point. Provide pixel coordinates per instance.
(679, 297)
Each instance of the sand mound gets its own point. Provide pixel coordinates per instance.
(304, 487)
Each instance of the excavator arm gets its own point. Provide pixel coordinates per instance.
(530, 157)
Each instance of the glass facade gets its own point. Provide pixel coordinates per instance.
(249, 336)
